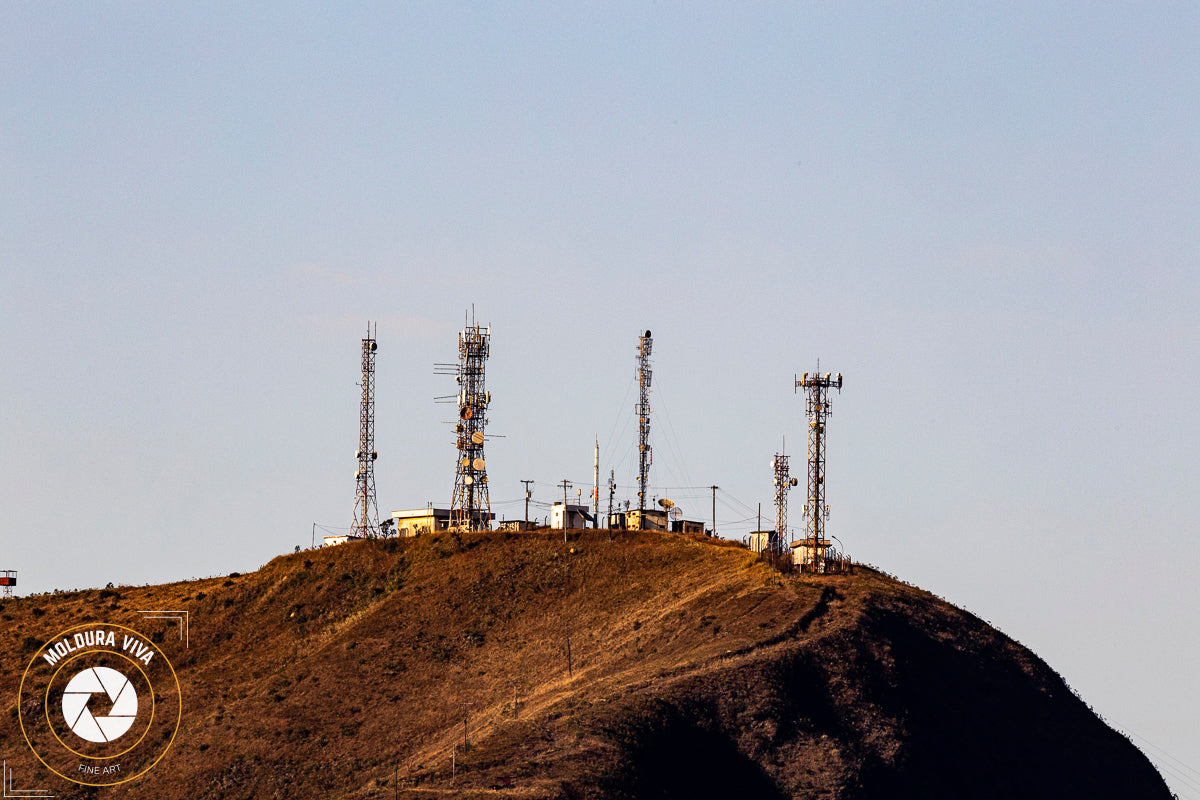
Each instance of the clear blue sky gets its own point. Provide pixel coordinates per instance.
(984, 215)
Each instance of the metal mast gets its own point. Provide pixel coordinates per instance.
(816, 389)
(366, 509)
(783, 482)
(645, 455)
(596, 487)
(471, 508)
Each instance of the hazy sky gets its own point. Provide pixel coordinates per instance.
(984, 215)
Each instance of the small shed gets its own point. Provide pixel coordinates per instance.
(803, 552)
(765, 540)
(576, 516)
(687, 526)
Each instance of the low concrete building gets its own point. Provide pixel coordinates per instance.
(650, 519)
(576, 516)
(516, 525)
(687, 526)
(416, 521)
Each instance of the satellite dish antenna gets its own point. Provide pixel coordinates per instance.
(467, 412)
(478, 463)
(468, 480)
(665, 503)
(675, 513)
(477, 437)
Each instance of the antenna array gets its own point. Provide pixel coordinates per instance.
(645, 454)
(471, 507)
(816, 512)
(366, 509)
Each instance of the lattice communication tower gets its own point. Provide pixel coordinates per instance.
(783, 483)
(8, 579)
(816, 390)
(645, 454)
(471, 507)
(366, 509)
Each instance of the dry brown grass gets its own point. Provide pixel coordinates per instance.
(342, 673)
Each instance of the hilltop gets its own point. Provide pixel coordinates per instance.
(646, 666)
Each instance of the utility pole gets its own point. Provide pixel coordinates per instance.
(566, 484)
(466, 744)
(528, 494)
(612, 492)
(714, 491)
(596, 487)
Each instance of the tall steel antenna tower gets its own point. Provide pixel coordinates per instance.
(816, 389)
(471, 507)
(645, 454)
(366, 509)
(783, 483)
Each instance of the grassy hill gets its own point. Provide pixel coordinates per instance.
(648, 666)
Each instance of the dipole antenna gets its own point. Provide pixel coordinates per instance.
(366, 509)
(471, 507)
(816, 389)
(645, 454)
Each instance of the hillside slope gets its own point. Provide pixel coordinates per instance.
(647, 666)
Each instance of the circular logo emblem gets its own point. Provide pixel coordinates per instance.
(102, 682)
(99, 704)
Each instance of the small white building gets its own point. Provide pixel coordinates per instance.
(576, 516)
(340, 538)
